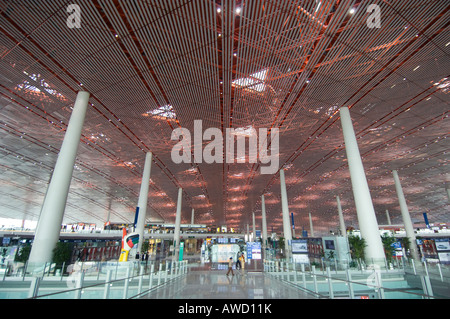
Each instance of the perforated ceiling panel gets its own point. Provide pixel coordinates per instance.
(154, 66)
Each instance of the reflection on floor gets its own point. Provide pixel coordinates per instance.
(211, 282)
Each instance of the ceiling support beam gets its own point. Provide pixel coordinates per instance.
(52, 212)
(143, 197)
(374, 252)
(406, 217)
(285, 212)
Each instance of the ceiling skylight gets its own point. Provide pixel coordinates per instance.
(163, 112)
(254, 82)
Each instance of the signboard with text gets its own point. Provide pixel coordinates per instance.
(253, 250)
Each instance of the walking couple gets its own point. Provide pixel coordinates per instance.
(240, 264)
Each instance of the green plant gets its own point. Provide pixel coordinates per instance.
(330, 255)
(406, 243)
(145, 246)
(4, 253)
(23, 253)
(281, 242)
(357, 246)
(387, 245)
(62, 253)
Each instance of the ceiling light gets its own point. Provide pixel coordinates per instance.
(238, 10)
(352, 10)
(218, 10)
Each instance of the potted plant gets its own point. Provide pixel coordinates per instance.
(62, 254)
(389, 249)
(357, 246)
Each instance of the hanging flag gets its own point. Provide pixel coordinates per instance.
(292, 217)
(425, 217)
(136, 217)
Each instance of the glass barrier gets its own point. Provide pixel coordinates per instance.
(88, 280)
(375, 280)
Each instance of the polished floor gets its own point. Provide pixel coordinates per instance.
(213, 283)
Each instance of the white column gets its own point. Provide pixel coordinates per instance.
(248, 233)
(176, 236)
(143, 197)
(367, 221)
(264, 222)
(448, 194)
(285, 212)
(406, 217)
(254, 227)
(341, 218)
(311, 229)
(388, 217)
(52, 212)
(192, 217)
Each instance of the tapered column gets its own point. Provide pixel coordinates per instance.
(254, 227)
(143, 197)
(264, 222)
(311, 228)
(176, 237)
(341, 218)
(52, 212)
(367, 221)
(285, 212)
(248, 233)
(388, 217)
(406, 217)
(192, 217)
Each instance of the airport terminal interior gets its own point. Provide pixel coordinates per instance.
(224, 149)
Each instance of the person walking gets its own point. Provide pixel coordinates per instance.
(230, 266)
(242, 261)
(238, 261)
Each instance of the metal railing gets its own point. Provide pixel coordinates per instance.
(372, 281)
(91, 280)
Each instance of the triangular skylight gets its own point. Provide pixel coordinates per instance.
(254, 82)
(164, 112)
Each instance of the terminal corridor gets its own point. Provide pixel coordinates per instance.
(212, 283)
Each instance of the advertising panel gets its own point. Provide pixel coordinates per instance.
(221, 253)
(299, 246)
(442, 244)
(444, 258)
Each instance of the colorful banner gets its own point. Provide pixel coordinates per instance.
(128, 242)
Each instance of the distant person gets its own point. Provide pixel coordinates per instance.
(230, 266)
(238, 262)
(242, 261)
